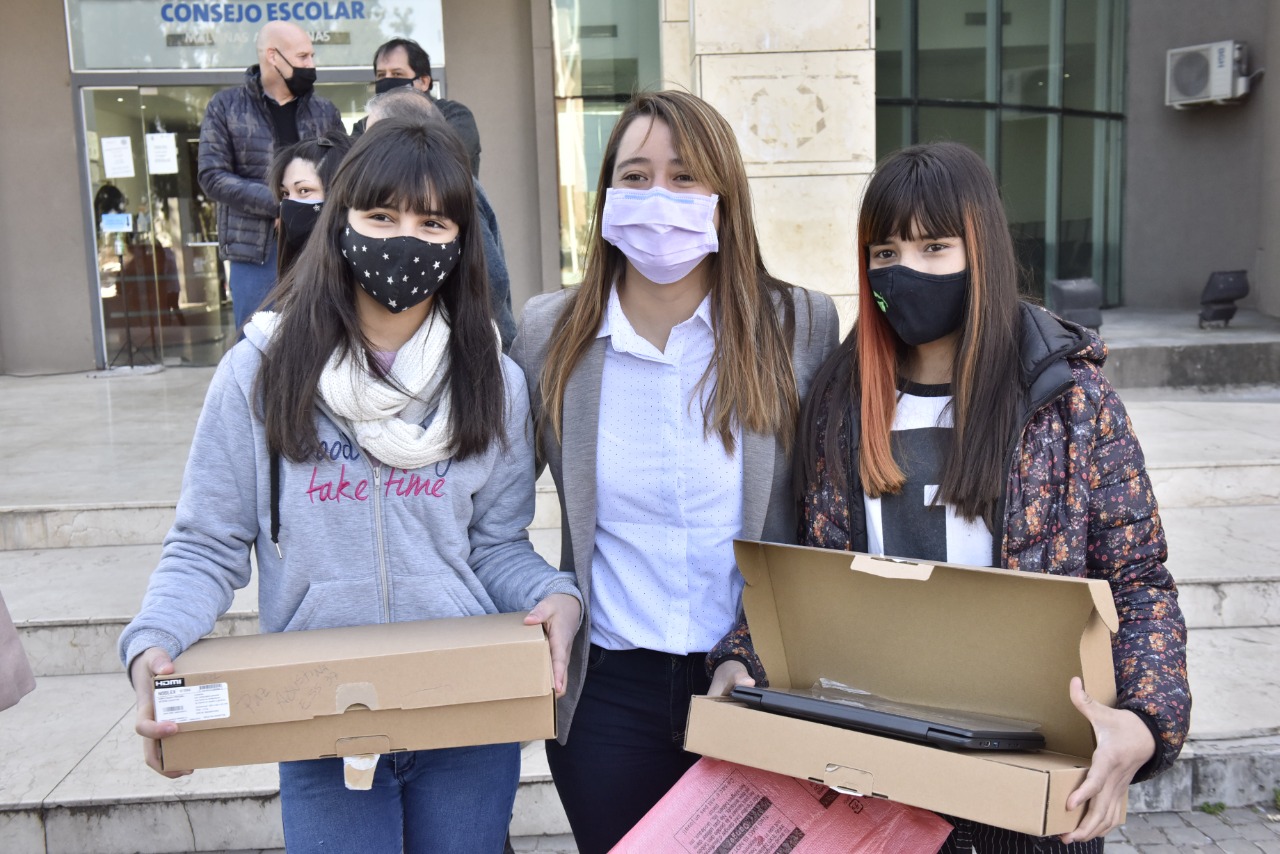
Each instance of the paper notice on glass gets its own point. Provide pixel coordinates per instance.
(731, 809)
(162, 154)
(117, 157)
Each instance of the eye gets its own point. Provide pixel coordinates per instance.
(882, 254)
(936, 247)
(686, 178)
(633, 177)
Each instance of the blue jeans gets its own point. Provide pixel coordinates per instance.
(455, 800)
(250, 284)
(626, 744)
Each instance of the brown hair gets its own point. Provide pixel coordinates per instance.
(754, 383)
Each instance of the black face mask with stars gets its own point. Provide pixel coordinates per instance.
(399, 272)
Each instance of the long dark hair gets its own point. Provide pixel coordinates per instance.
(421, 165)
(325, 154)
(755, 383)
(938, 190)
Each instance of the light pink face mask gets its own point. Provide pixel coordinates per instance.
(663, 234)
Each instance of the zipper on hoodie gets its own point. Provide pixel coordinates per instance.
(378, 541)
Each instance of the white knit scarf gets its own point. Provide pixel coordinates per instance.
(387, 417)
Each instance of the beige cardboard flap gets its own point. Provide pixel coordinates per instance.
(976, 639)
(891, 567)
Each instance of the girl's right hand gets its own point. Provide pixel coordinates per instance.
(152, 662)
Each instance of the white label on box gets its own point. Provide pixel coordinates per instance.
(197, 703)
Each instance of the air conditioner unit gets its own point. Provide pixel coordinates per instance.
(1215, 73)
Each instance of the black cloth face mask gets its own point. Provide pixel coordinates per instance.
(302, 81)
(297, 219)
(921, 307)
(399, 272)
(386, 84)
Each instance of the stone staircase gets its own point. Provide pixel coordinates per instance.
(1215, 466)
(73, 574)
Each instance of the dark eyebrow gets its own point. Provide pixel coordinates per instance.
(634, 161)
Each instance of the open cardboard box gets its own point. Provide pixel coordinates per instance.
(981, 640)
(350, 691)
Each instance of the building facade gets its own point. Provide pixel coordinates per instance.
(102, 101)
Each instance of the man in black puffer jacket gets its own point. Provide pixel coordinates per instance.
(241, 129)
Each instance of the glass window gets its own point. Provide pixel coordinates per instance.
(1080, 194)
(604, 50)
(1024, 175)
(952, 39)
(1024, 53)
(968, 126)
(1059, 173)
(890, 32)
(1084, 55)
(893, 129)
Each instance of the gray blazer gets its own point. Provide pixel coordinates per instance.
(768, 511)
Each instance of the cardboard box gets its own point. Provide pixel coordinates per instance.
(351, 691)
(982, 640)
(718, 808)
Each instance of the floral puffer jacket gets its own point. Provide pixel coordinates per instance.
(1078, 503)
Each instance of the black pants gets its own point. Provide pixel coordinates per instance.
(626, 743)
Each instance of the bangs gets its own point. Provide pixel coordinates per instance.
(404, 170)
(912, 198)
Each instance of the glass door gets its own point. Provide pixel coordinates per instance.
(163, 289)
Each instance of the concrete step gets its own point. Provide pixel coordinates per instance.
(71, 604)
(83, 778)
(1224, 561)
(1154, 348)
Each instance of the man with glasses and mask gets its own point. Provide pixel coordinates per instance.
(274, 107)
(403, 62)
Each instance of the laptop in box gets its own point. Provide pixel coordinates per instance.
(880, 716)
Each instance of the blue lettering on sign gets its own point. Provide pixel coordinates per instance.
(288, 10)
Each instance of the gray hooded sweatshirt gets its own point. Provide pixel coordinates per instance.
(362, 542)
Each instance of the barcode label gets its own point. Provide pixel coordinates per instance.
(195, 703)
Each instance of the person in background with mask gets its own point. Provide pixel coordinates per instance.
(959, 423)
(665, 389)
(298, 177)
(273, 108)
(403, 62)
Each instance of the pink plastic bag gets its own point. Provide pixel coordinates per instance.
(732, 809)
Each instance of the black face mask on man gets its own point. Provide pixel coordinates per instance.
(386, 84)
(399, 272)
(921, 307)
(302, 81)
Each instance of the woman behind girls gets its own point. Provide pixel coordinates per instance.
(666, 389)
(958, 423)
(298, 176)
(381, 368)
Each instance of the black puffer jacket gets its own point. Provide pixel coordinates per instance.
(237, 141)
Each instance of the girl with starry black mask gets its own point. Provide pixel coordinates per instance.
(374, 446)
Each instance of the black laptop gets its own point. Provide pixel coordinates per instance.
(880, 716)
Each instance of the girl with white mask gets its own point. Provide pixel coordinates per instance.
(665, 391)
